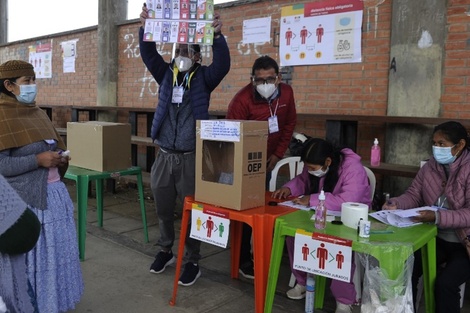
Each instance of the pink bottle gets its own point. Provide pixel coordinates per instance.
(375, 154)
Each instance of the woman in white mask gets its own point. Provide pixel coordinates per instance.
(339, 172)
(444, 182)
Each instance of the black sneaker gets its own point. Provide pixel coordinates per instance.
(190, 274)
(162, 260)
(247, 270)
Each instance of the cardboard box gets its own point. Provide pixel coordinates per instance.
(99, 146)
(231, 163)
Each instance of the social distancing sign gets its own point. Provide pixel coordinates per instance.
(323, 255)
(209, 226)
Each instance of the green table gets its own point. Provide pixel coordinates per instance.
(420, 236)
(83, 177)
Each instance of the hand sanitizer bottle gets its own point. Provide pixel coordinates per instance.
(310, 293)
(320, 212)
(375, 154)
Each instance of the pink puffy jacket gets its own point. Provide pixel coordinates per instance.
(431, 182)
(352, 185)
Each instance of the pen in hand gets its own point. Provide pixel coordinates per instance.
(302, 200)
(389, 205)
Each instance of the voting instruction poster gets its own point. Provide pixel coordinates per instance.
(323, 32)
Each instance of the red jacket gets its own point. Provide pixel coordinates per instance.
(248, 105)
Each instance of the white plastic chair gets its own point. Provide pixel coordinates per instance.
(295, 168)
(372, 181)
(358, 274)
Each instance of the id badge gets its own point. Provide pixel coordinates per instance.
(273, 125)
(178, 92)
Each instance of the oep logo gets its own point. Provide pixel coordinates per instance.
(254, 162)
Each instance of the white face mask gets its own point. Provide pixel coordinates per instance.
(27, 93)
(266, 90)
(183, 63)
(319, 172)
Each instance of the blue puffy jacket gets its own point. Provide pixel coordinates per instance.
(203, 82)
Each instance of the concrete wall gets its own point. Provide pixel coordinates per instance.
(417, 48)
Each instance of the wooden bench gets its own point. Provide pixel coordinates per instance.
(150, 150)
(341, 129)
(389, 169)
(62, 131)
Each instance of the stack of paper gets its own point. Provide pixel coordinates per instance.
(400, 218)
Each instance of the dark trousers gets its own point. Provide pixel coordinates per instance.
(173, 178)
(453, 269)
(245, 250)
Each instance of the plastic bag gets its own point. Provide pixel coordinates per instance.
(382, 294)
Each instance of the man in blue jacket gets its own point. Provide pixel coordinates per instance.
(185, 87)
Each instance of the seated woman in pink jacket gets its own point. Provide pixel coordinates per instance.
(444, 181)
(343, 179)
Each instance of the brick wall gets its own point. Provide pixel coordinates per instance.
(360, 88)
(455, 100)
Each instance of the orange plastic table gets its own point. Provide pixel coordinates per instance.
(261, 219)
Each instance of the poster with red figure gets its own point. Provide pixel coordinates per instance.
(324, 32)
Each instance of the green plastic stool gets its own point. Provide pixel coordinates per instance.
(83, 177)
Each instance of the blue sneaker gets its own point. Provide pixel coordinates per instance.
(190, 274)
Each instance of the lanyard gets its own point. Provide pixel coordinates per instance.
(185, 81)
(187, 78)
(275, 110)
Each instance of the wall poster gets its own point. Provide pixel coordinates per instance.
(322, 32)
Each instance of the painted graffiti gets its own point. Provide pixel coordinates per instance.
(250, 49)
(148, 83)
(132, 49)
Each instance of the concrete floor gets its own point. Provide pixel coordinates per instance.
(117, 261)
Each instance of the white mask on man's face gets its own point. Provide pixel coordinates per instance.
(183, 63)
(266, 90)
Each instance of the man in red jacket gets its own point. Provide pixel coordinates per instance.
(265, 98)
